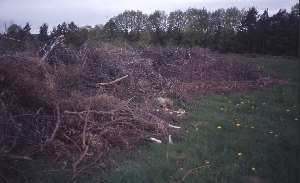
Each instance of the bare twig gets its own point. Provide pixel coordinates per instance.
(84, 128)
(80, 159)
(83, 142)
(39, 111)
(74, 143)
(159, 142)
(16, 157)
(167, 152)
(195, 125)
(83, 169)
(14, 144)
(57, 123)
(57, 41)
(112, 82)
(190, 171)
(4, 178)
(89, 111)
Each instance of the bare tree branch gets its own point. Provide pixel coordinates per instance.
(112, 82)
(57, 41)
(57, 123)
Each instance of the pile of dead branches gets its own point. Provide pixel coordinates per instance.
(73, 106)
(52, 113)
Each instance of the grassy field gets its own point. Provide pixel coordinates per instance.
(238, 137)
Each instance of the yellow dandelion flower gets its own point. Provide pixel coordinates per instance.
(253, 169)
(237, 104)
(276, 135)
(271, 132)
(222, 108)
(238, 124)
(252, 127)
(206, 162)
(252, 107)
(219, 127)
(296, 119)
(239, 154)
(287, 110)
(242, 102)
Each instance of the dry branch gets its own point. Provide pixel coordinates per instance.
(80, 159)
(84, 129)
(5, 178)
(57, 41)
(89, 111)
(159, 142)
(112, 82)
(16, 157)
(73, 142)
(57, 123)
(83, 169)
(190, 171)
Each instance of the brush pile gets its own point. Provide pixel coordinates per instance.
(75, 106)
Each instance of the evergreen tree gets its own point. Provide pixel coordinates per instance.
(25, 32)
(43, 34)
(249, 28)
(13, 37)
(14, 31)
(293, 25)
(263, 31)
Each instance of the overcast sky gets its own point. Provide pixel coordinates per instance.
(92, 12)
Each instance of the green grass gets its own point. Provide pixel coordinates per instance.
(267, 137)
(287, 69)
(261, 125)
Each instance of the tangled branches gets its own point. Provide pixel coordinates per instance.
(78, 106)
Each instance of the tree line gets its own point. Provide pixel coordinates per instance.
(224, 30)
